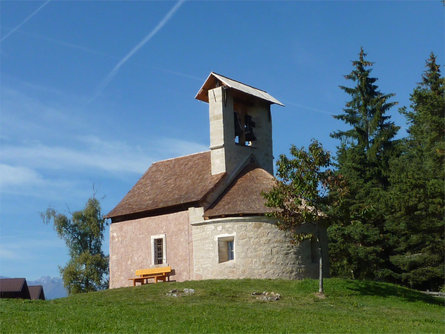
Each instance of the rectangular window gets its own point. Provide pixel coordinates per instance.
(226, 249)
(230, 255)
(158, 249)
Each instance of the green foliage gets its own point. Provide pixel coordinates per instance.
(393, 215)
(83, 234)
(227, 306)
(299, 195)
(301, 189)
(357, 239)
(371, 130)
(417, 212)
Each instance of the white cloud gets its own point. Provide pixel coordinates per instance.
(12, 248)
(18, 175)
(21, 180)
(94, 153)
(178, 147)
(8, 254)
(67, 158)
(25, 112)
(48, 148)
(39, 136)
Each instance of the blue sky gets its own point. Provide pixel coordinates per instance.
(93, 92)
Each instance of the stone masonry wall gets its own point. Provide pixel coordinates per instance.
(226, 155)
(261, 251)
(130, 246)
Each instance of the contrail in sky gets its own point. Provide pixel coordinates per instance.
(29, 17)
(152, 33)
(308, 108)
(103, 54)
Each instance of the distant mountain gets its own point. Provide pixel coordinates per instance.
(52, 286)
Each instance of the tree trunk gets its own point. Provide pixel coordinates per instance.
(320, 265)
(320, 275)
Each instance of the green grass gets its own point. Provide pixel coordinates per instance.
(223, 306)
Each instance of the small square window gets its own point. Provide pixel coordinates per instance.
(226, 249)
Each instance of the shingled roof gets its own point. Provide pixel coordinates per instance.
(14, 288)
(243, 196)
(36, 292)
(169, 183)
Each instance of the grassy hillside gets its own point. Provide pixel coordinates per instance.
(227, 306)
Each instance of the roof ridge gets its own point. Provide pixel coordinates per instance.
(180, 157)
(240, 82)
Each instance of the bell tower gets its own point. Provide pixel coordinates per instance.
(240, 123)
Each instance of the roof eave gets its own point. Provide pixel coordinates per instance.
(202, 93)
(227, 215)
(152, 212)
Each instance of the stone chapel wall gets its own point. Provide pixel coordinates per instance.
(261, 250)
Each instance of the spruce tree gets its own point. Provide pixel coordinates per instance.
(358, 244)
(417, 219)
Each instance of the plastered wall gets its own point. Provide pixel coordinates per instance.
(130, 246)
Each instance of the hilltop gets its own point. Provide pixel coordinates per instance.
(228, 306)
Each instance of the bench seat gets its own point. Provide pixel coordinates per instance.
(158, 274)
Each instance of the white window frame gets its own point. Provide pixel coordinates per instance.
(225, 237)
(164, 248)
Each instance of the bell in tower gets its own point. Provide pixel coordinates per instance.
(240, 123)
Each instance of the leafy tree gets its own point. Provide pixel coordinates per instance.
(83, 234)
(358, 242)
(417, 194)
(299, 195)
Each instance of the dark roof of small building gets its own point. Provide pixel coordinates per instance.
(169, 183)
(36, 292)
(243, 196)
(12, 284)
(14, 288)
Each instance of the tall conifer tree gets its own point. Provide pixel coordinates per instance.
(358, 242)
(417, 220)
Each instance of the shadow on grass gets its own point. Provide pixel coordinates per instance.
(369, 288)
